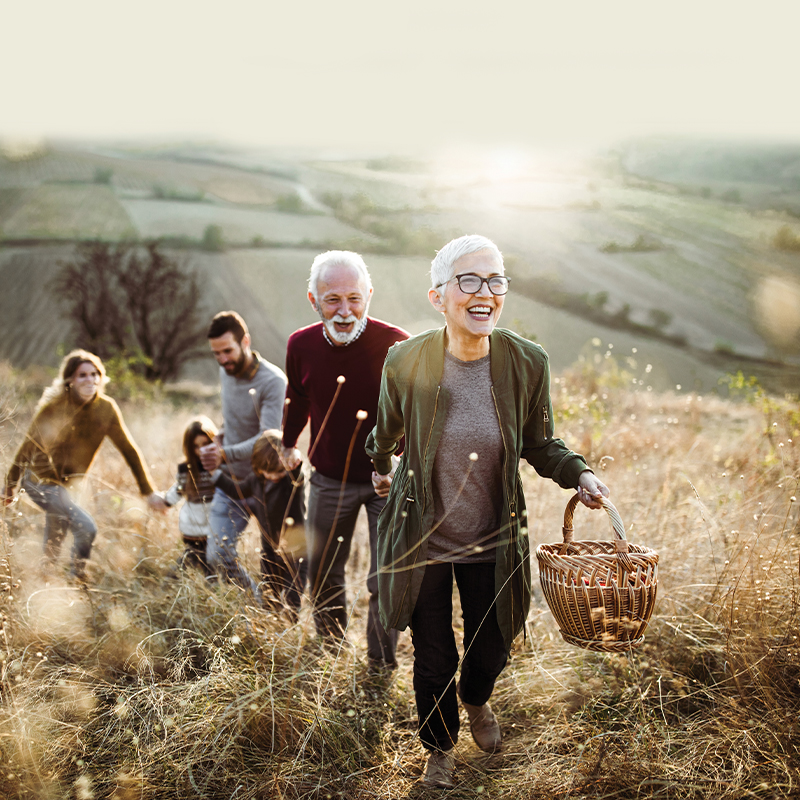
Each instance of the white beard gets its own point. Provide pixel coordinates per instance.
(342, 337)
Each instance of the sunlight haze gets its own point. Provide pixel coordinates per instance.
(359, 73)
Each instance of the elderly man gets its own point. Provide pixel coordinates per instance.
(334, 371)
(252, 392)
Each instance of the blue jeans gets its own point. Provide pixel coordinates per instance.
(228, 518)
(332, 512)
(62, 513)
(436, 654)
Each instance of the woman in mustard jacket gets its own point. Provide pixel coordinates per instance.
(72, 419)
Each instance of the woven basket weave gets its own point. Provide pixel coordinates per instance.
(601, 593)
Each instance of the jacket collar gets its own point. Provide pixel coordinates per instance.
(252, 369)
(436, 348)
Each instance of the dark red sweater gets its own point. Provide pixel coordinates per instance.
(312, 367)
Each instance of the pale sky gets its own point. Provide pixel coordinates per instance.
(399, 75)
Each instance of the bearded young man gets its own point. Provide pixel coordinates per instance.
(252, 392)
(334, 372)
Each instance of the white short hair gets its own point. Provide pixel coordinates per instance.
(442, 264)
(334, 257)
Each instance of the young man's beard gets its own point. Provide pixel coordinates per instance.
(237, 368)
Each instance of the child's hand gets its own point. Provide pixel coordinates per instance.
(156, 502)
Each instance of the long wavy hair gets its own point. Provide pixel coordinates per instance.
(198, 426)
(69, 366)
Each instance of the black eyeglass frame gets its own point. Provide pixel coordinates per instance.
(482, 281)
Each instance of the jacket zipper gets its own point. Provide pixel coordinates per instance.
(427, 445)
(509, 494)
(545, 420)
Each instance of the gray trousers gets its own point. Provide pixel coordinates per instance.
(333, 508)
(62, 513)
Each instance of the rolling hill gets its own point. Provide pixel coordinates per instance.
(656, 252)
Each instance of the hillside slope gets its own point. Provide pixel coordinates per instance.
(672, 270)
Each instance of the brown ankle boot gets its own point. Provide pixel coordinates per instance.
(483, 724)
(439, 770)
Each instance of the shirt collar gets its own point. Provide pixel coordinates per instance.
(249, 374)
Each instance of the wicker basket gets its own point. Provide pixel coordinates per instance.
(601, 593)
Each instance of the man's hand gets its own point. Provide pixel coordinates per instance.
(591, 489)
(290, 457)
(211, 456)
(156, 502)
(383, 483)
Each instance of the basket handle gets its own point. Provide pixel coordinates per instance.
(620, 542)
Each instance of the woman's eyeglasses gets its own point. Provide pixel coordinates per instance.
(470, 283)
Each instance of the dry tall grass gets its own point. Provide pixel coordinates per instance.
(147, 687)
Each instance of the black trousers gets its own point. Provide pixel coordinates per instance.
(436, 655)
(283, 575)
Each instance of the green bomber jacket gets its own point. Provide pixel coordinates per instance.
(413, 404)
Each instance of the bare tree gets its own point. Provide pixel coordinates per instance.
(133, 301)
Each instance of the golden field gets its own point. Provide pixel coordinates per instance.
(146, 686)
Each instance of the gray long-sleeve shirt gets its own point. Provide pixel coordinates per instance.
(246, 415)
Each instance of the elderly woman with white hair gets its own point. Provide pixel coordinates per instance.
(470, 399)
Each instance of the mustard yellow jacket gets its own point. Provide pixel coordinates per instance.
(64, 437)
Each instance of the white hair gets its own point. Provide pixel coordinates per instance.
(335, 257)
(442, 264)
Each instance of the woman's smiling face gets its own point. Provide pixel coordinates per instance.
(470, 316)
(84, 382)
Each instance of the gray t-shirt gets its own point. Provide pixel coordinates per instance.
(467, 494)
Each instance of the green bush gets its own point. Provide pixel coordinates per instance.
(786, 239)
(641, 244)
(724, 346)
(290, 203)
(213, 239)
(659, 318)
(103, 175)
(126, 376)
(161, 192)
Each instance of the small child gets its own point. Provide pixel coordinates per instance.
(280, 508)
(196, 486)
